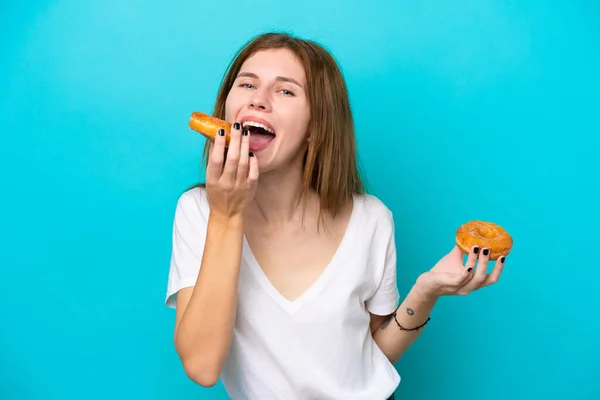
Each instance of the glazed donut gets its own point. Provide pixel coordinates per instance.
(485, 235)
(209, 126)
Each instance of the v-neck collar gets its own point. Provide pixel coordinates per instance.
(292, 306)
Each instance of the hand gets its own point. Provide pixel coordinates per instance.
(450, 276)
(231, 182)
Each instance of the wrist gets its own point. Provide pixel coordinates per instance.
(422, 292)
(226, 222)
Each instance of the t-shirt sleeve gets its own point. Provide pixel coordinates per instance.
(385, 299)
(188, 238)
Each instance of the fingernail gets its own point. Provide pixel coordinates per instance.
(251, 154)
(221, 132)
(245, 132)
(476, 250)
(236, 125)
(486, 252)
(502, 259)
(470, 269)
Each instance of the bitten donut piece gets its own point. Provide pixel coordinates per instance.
(485, 235)
(209, 126)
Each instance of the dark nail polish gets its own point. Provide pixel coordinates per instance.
(502, 259)
(470, 269)
(251, 154)
(245, 132)
(221, 132)
(486, 252)
(476, 250)
(236, 125)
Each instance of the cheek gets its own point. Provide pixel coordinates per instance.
(298, 115)
(232, 105)
(229, 109)
(301, 122)
(297, 130)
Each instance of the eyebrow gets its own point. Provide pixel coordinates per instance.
(279, 78)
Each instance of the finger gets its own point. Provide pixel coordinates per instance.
(481, 271)
(472, 258)
(494, 276)
(233, 154)
(216, 158)
(464, 286)
(242, 171)
(457, 254)
(211, 149)
(482, 265)
(252, 172)
(456, 281)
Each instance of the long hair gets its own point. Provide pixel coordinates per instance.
(330, 166)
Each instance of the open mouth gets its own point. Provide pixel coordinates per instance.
(260, 135)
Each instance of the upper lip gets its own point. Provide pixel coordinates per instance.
(259, 120)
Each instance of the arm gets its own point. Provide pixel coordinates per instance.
(212, 246)
(413, 312)
(206, 313)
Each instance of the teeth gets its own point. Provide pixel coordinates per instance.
(257, 125)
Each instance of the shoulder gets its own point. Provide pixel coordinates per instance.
(374, 209)
(195, 195)
(374, 217)
(193, 204)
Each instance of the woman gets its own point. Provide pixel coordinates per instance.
(283, 272)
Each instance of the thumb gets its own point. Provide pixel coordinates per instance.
(457, 254)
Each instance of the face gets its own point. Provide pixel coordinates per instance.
(269, 98)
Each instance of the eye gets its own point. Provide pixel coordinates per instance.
(247, 85)
(287, 92)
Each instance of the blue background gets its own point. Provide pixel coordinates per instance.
(481, 109)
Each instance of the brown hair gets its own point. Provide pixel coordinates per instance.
(331, 166)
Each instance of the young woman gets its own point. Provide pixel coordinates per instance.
(283, 271)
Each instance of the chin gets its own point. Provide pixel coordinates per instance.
(264, 160)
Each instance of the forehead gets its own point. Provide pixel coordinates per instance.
(272, 63)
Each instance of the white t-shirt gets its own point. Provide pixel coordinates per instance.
(320, 345)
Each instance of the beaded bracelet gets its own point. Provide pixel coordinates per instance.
(411, 329)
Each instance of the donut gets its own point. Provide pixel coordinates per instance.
(485, 235)
(209, 126)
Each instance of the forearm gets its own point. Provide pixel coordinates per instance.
(203, 336)
(413, 312)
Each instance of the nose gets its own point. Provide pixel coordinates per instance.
(259, 100)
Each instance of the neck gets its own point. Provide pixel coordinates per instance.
(278, 197)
